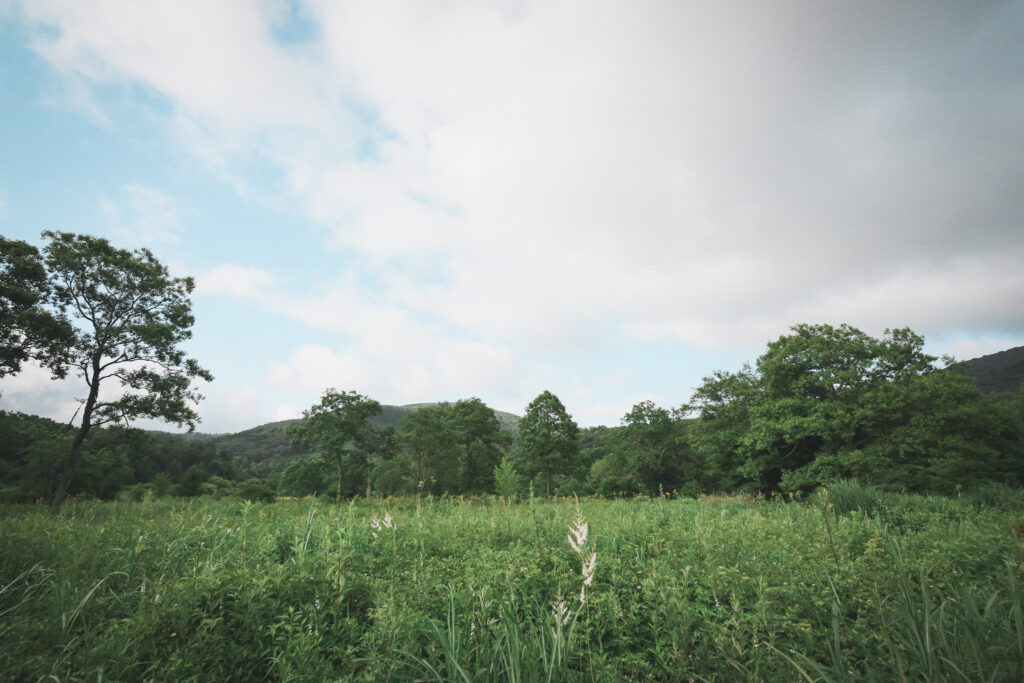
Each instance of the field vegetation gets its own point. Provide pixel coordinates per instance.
(872, 529)
(851, 584)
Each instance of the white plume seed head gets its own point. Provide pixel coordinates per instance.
(588, 569)
(578, 532)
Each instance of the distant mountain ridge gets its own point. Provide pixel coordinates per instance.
(272, 440)
(1001, 371)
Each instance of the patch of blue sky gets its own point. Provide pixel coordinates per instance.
(631, 371)
(374, 131)
(238, 340)
(445, 208)
(969, 344)
(293, 25)
(57, 164)
(54, 161)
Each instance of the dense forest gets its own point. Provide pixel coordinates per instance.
(821, 404)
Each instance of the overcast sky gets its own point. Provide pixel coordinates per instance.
(427, 201)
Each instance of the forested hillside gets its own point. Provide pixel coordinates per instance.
(133, 462)
(272, 440)
(1002, 371)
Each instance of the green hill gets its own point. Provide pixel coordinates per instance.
(271, 441)
(1002, 371)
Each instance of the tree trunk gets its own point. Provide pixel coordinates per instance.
(547, 479)
(470, 474)
(64, 483)
(70, 465)
(341, 477)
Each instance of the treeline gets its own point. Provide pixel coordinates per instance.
(116, 462)
(821, 404)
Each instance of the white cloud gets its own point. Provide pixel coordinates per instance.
(235, 280)
(968, 349)
(33, 391)
(398, 369)
(563, 178)
(287, 411)
(143, 216)
(229, 408)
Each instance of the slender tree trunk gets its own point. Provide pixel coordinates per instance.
(469, 484)
(341, 477)
(71, 464)
(547, 479)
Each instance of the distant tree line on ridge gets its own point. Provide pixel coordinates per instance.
(822, 403)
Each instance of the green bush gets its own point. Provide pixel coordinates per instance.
(254, 490)
(995, 495)
(848, 495)
(619, 487)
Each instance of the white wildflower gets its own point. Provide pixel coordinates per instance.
(387, 522)
(578, 532)
(561, 613)
(588, 569)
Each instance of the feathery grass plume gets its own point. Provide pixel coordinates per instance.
(387, 522)
(561, 612)
(578, 533)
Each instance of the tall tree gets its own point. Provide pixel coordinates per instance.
(655, 445)
(29, 328)
(130, 318)
(827, 402)
(548, 437)
(479, 441)
(339, 427)
(427, 440)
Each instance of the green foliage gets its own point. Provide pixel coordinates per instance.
(619, 487)
(253, 490)
(192, 481)
(827, 403)
(507, 482)
(650, 453)
(273, 441)
(847, 495)
(304, 476)
(161, 485)
(1002, 371)
(548, 438)
(29, 328)
(479, 442)
(130, 318)
(114, 459)
(338, 427)
(451, 448)
(427, 442)
(428, 589)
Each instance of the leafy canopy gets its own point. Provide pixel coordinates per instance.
(548, 437)
(818, 403)
(29, 329)
(337, 425)
(129, 319)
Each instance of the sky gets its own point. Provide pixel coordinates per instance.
(430, 201)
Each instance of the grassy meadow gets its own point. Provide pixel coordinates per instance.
(853, 585)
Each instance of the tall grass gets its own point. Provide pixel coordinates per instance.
(465, 590)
